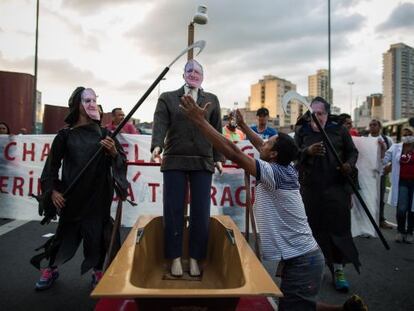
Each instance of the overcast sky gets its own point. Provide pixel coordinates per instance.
(119, 47)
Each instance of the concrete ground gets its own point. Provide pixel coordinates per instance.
(386, 281)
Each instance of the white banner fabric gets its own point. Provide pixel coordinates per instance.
(368, 164)
(22, 159)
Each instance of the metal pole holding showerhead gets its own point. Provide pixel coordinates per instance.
(292, 95)
(200, 18)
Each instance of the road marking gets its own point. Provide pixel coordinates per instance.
(272, 303)
(7, 227)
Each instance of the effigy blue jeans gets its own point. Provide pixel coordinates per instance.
(175, 187)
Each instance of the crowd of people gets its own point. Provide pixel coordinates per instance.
(5, 129)
(117, 116)
(302, 202)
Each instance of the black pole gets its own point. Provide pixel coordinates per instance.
(350, 181)
(115, 229)
(248, 207)
(34, 130)
(118, 129)
(329, 52)
(249, 211)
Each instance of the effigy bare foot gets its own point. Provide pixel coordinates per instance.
(194, 268)
(176, 267)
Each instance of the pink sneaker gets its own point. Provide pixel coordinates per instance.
(47, 278)
(96, 277)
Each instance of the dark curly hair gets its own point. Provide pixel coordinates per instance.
(287, 151)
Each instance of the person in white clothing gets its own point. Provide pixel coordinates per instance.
(385, 142)
(400, 159)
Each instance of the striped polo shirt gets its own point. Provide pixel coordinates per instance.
(280, 213)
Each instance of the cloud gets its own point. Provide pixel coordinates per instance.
(238, 29)
(25, 65)
(402, 17)
(63, 71)
(133, 86)
(344, 4)
(54, 71)
(86, 40)
(93, 6)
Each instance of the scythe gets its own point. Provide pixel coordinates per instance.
(198, 44)
(111, 249)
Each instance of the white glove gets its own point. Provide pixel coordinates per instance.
(219, 167)
(155, 156)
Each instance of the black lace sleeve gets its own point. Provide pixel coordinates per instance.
(50, 175)
(119, 171)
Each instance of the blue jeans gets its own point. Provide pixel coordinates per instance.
(405, 200)
(301, 281)
(175, 186)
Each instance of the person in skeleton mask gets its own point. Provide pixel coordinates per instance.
(187, 156)
(325, 192)
(401, 158)
(85, 211)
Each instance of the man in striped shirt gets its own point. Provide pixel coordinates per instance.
(281, 217)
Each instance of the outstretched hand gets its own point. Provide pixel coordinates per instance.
(192, 110)
(239, 117)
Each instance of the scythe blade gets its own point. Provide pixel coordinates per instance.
(293, 95)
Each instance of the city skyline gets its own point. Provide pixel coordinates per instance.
(398, 82)
(119, 47)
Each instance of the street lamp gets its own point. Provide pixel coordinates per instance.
(351, 83)
(200, 18)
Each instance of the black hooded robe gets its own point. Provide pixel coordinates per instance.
(326, 194)
(86, 214)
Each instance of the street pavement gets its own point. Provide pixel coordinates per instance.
(386, 281)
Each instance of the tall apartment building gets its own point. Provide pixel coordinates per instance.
(375, 105)
(398, 82)
(362, 114)
(268, 93)
(318, 85)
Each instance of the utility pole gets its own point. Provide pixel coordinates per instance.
(329, 52)
(34, 104)
(199, 18)
(350, 99)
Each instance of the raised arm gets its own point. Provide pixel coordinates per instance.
(196, 114)
(255, 139)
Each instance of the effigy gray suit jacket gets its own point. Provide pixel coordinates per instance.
(184, 146)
